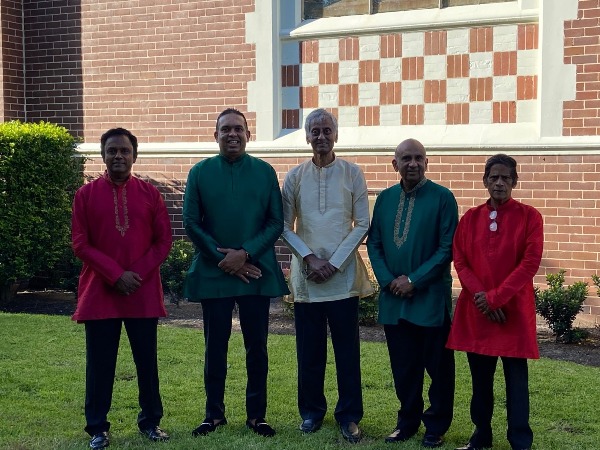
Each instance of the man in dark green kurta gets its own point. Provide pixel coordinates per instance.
(233, 214)
(410, 248)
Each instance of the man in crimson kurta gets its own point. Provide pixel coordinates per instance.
(233, 214)
(122, 233)
(497, 252)
(410, 248)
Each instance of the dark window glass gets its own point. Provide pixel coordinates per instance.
(380, 6)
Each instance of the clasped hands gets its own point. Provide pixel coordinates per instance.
(318, 270)
(128, 283)
(496, 315)
(236, 263)
(402, 287)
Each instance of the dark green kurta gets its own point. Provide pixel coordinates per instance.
(411, 235)
(233, 205)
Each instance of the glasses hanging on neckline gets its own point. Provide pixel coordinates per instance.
(493, 225)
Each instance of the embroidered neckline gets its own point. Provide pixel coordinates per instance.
(399, 240)
(121, 228)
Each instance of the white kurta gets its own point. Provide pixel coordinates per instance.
(326, 212)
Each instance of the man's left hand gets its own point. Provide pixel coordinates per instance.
(234, 260)
(402, 286)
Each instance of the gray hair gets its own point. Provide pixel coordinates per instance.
(319, 114)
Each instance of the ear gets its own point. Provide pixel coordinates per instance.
(426, 162)
(216, 136)
(395, 165)
(336, 138)
(248, 135)
(485, 183)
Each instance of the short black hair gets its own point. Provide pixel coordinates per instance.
(319, 114)
(118, 132)
(231, 111)
(505, 160)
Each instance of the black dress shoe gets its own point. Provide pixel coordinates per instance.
(99, 440)
(261, 427)
(432, 441)
(155, 434)
(399, 435)
(311, 425)
(208, 426)
(470, 446)
(350, 432)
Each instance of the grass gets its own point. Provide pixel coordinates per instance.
(42, 367)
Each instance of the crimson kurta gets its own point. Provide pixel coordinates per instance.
(114, 229)
(501, 263)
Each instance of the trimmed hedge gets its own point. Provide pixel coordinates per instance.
(39, 175)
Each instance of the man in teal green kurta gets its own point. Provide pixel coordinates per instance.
(233, 214)
(410, 248)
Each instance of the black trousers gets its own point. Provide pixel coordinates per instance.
(102, 345)
(414, 349)
(311, 346)
(254, 322)
(516, 377)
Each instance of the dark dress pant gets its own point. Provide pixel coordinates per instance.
(311, 321)
(254, 322)
(102, 345)
(516, 377)
(414, 349)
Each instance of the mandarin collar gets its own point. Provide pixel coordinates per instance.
(106, 176)
(505, 205)
(331, 164)
(418, 186)
(235, 161)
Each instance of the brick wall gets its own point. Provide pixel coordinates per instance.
(164, 69)
(13, 97)
(53, 63)
(581, 116)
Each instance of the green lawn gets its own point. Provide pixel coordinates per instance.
(42, 366)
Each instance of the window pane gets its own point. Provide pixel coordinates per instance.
(316, 9)
(380, 6)
(474, 2)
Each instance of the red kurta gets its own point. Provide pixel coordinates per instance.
(502, 263)
(114, 229)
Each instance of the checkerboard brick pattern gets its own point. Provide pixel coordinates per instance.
(483, 75)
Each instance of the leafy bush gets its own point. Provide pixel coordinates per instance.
(174, 270)
(39, 175)
(559, 305)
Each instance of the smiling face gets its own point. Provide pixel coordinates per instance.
(232, 135)
(499, 183)
(118, 155)
(411, 162)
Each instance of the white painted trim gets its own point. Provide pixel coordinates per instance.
(420, 19)
(556, 81)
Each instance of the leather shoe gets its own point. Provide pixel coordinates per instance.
(432, 441)
(99, 440)
(208, 426)
(470, 446)
(155, 434)
(310, 425)
(399, 435)
(350, 432)
(261, 427)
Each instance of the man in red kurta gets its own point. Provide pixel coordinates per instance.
(497, 252)
(122, 233)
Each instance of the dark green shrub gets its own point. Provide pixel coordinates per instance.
(559, 305)
(174, 270)
(39, 174)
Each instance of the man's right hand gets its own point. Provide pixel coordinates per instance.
(128, 283)
(319, 270)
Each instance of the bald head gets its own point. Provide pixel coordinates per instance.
(411, 161)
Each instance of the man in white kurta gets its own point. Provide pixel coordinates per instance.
(326, 218)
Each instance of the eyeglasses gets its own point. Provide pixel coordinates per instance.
(493, 225)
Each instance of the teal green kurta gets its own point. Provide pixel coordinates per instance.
(411, 234)
(233, 205)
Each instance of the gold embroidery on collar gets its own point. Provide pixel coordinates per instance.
(400, 240)
(121, 228)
